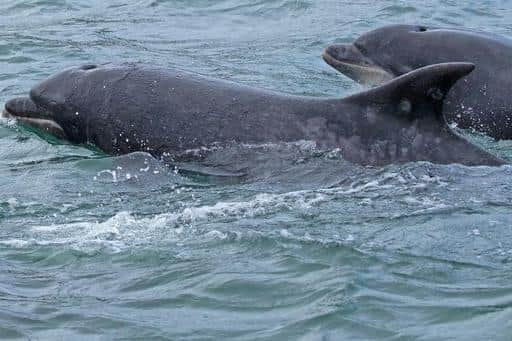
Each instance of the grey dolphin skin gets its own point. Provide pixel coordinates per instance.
(127, 108)
(481, 101)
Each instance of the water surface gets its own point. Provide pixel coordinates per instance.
(309, 247)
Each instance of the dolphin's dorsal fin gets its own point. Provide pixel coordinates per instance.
(413, 92)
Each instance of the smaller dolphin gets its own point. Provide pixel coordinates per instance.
(127, 108)
(481, 101)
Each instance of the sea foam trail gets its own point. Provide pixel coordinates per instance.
(126, 229)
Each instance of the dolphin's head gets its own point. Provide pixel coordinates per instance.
(52, 106)
(385, 53)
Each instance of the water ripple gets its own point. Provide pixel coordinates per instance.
(304, 246)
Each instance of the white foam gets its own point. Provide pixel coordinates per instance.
(12, 202)
(285, 233)
(307, 146)
(112, 173)
(124, 228)
(15, 243)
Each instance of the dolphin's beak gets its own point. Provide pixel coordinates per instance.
(22, 107)
(348, 59)
(347, 53)
(25, 110)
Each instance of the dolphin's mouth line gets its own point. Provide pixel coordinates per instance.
(337, 62)
(365, 74)
(47, 125)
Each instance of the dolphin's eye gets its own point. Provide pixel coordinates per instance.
(88, 67)
(422, 29)
(360, 47)
(55, 106)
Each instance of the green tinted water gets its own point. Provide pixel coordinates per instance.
(310, 247)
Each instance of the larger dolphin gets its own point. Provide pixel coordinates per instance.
(481, 101)
(127, 108)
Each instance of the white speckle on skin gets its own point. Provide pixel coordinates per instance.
(405, 106)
